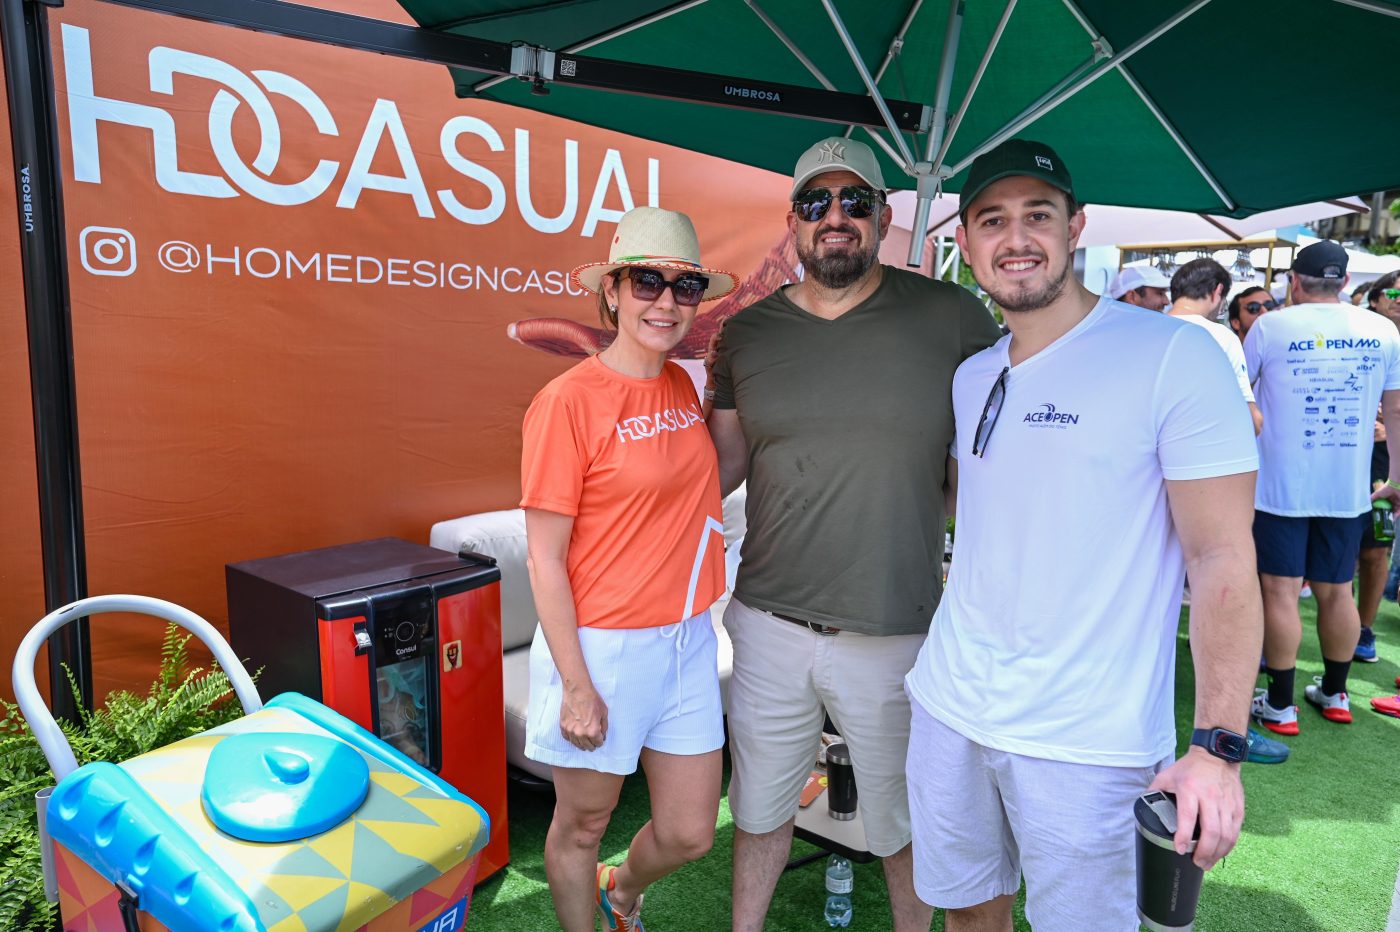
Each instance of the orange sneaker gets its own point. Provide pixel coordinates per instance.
(1387, 705)
(614, 921)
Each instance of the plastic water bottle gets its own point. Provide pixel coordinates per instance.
(839, 880)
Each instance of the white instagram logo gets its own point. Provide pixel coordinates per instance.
(107, 250)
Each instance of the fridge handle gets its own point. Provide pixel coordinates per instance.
(51, 738)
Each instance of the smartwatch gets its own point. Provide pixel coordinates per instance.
(1226, 745)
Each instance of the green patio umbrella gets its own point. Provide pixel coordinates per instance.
(1214, 106)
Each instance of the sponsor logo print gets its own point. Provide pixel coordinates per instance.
(1047, 416)
(1320, 342)
(646, 426)
(1044, 163)
(107, 251)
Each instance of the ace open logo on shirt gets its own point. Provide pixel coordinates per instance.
(1045, 415)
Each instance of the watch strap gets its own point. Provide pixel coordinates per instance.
(1208, 738)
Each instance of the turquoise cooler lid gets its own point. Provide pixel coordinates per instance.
(282, 786)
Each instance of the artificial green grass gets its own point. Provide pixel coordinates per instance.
(1319, 850)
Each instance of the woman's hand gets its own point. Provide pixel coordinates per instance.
(583, 717)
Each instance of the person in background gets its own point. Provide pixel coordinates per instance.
(1245, 308)
(1358, 295)
(1319, 368)
(620, 486)
(1374, 564)
(1141, 286)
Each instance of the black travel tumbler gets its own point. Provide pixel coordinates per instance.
(1168, 884)
(840, 783)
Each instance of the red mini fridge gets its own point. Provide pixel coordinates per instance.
(403, 639)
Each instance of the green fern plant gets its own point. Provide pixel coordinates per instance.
(181, 702)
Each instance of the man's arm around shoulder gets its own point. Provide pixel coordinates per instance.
(1214, 519)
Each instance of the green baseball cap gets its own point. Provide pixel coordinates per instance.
(1014, 157)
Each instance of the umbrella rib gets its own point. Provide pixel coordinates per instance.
(791, 46)
(891, 51)
(588, 43)
(1371, 7)
(907, 159)
(1020, 123)
(1220, 226)
(816, 72)
(1156, 111)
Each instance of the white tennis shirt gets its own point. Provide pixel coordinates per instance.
(1056, 636)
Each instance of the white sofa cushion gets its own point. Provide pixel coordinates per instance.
(499, 534)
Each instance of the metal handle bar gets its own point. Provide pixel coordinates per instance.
(51, 738)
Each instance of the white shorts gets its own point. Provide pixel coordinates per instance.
(783, 676)
(981, 815)
(661, 686)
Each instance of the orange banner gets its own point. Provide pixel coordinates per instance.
(313, 293)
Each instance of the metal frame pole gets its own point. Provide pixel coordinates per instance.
(928, 182)
(39, 186)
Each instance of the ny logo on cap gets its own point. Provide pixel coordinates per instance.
(1044, 163)
(831, 151)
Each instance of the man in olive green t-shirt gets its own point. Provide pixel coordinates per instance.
(832, 397)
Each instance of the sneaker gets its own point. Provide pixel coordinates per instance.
(613, 920)
(1279, 721)
(1335, 708)
(1264, 750)
(1366, 647)
(1387, 705)
(1305, 592)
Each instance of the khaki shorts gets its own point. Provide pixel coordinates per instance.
(784, 675)
(982, 815)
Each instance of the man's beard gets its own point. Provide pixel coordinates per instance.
(1028, 298)
(840, 269)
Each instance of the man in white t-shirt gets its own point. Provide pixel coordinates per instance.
(1319, 368)
(1198, 295)
(1095, 461)
(1141, 286)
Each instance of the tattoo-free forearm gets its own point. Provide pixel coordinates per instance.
(554, 600)
(1227, 631)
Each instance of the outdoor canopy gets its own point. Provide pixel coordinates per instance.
(1151, 103)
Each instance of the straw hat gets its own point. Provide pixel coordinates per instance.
(656, 239)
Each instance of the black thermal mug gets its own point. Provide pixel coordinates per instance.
(840, 783)
(1168, 884)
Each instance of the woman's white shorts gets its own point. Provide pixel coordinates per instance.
(661, 687)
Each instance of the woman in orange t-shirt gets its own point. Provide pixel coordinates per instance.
(620, 486)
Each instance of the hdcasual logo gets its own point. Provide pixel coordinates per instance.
(1047, 416)
(1044, 163)
(383, 128)
(107, 251)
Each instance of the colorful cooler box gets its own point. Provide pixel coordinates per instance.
(290, 819)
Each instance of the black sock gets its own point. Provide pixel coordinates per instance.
(1334, 676)
(1280, 687)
